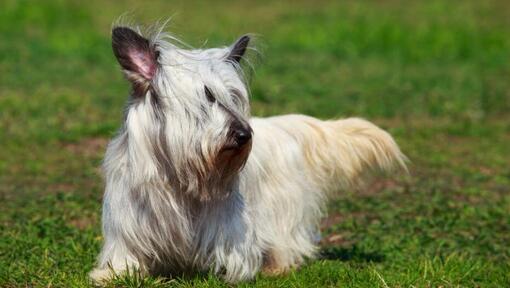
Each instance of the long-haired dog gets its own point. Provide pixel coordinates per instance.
(194, 184)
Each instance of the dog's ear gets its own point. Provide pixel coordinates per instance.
(238, 49)
(136, 55)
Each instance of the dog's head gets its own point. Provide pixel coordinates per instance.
(187, 118)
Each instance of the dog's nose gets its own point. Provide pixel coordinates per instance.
(242, 136)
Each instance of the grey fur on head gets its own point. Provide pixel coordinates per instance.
(194, 184)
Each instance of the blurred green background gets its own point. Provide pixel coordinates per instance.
(436, 74)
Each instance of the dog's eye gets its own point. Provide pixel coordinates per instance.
(236, 93)
(209, 95)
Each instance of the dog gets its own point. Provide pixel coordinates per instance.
(194, 184)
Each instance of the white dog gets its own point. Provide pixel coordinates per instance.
(194, 184)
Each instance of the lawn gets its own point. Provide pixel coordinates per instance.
(436, 74)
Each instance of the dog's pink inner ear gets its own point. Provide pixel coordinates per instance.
(134, 53)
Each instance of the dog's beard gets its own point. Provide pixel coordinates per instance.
(202, 175)
(223, 175)
(219, 179)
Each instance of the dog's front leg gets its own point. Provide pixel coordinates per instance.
(114, 259)
(227, 242)
(239, 263)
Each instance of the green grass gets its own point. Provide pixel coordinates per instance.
(434, 73)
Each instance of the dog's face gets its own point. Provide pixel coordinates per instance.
(188, 113)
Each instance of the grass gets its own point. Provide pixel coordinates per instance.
(434, 73)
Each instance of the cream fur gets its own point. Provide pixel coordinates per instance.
(169, 208)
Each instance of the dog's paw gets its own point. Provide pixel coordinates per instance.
(274, 271)
(100, 277)
(273, 266)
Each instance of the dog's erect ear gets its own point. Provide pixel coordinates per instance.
(238, 49)
(135, 54)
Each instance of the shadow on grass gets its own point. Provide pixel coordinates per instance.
(350, 254)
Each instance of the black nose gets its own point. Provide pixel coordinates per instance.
(242, 136)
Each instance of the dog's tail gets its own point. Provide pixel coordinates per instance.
(341, 152)
(351, 149)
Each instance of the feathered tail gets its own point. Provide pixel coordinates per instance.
(341, 152)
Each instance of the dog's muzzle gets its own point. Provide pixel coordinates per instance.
(240, 136)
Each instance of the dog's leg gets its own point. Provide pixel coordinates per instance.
(113, 260)
(273, 265)
(276, 264)
(288, 252)
(226, 242)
